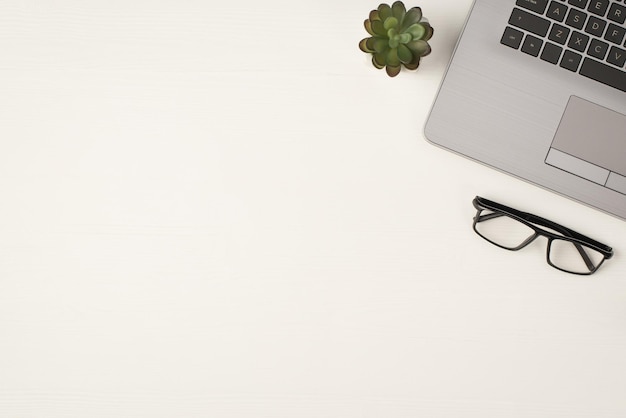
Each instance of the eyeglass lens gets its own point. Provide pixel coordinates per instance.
(574, 257)
(503, 230)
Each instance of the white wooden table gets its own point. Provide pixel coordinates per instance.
(223, 210)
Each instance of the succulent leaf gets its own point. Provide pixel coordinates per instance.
(413, 64)
(380, 58)
(429, 31)
(416, 30)
(363, 46)
(379, 44)
(419, 47)
(414, 15)
(390, 22)
(404, 54)
(392, 57)
(405, 38)
(394, 42)
(376, 63)
(379, 28)
(398, 10)
(368, 27)
(393, 71)
(384, 10)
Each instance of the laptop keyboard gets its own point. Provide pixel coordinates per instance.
(587, 37)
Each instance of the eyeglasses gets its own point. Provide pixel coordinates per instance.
(513, 230)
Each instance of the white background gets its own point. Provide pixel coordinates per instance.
(223, 210)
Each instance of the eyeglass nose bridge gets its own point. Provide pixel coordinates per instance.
(528, 240)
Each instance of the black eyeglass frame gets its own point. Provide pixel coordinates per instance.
(530, 220)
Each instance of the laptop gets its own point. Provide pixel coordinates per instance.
(537, 89)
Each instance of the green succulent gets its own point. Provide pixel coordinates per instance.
(399, 37)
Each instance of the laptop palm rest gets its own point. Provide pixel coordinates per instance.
(584, 123)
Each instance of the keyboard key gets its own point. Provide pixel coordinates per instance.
(576, 18)
(551, 53)
(578, 41)
(570, 60)
(617, 13)
(598, 7)
(595, 26)
(537, 6)
(532, 45)
(615, 34)
(559, 34)
(578, 3)
(598, 49)
(512, 37)
(604, 74)
(617, 56)
(557, 11)
(529, 22)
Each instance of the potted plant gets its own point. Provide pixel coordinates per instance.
(399, 37)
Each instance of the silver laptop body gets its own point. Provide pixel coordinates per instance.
(528, 92)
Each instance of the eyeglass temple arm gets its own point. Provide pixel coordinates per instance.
(480, 203)
(480, 217)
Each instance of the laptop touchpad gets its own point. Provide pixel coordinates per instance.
(590, 144)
